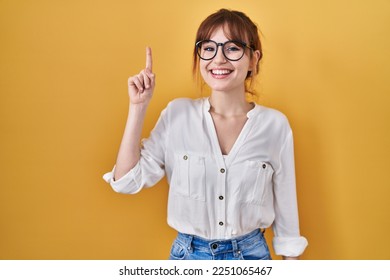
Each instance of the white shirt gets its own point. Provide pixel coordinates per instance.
(215, 197)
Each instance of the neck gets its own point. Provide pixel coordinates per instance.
(229, 104)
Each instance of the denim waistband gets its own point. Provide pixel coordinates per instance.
(217, 246)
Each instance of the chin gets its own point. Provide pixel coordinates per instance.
(224, 88)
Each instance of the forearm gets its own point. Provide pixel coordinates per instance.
(129, 151)
(140, 89)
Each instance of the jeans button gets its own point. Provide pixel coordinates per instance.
(214, 246)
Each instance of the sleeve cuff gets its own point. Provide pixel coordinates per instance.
(289, 246)
(129, 183)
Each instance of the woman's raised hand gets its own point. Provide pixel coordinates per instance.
(141, 86)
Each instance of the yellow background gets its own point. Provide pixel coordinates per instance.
(63, 103)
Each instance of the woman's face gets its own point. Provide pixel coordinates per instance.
(221, 74)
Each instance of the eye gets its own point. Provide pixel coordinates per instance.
(208, 47)
(233, 47)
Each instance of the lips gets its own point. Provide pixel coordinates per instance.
(220, 73)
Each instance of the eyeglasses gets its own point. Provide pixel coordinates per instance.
(232, 50)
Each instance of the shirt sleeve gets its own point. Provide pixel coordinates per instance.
(150, 168)
(287, 240)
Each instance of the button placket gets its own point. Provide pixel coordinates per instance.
(221, 198)
(220, 187)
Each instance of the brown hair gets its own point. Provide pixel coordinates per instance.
(237, 26)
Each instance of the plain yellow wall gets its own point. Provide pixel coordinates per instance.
(63, 104)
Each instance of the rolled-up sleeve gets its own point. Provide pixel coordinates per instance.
(289, 246)
(129, 183)
(150, 168)
(287, 239)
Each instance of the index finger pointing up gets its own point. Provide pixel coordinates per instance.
(149, 62)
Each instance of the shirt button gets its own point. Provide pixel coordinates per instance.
(264, 166)
(220, 197)
(185, 157)
(221, 223)
(222, 170)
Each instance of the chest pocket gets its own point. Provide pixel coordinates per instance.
(189, 176)
(257, 180)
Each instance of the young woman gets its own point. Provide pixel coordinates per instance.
(229, 162)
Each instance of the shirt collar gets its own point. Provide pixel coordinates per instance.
(252, 113)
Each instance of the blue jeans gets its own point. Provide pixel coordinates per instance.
(251, 246)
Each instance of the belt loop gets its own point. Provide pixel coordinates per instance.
(236, 252)
(189, 243)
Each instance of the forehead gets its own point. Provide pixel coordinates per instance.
(219, 34)
(226, 32)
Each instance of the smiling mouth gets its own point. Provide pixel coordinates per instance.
(221, 72)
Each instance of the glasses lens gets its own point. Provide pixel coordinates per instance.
(207, 49)
(233, 50)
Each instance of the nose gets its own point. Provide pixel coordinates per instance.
(220, 57)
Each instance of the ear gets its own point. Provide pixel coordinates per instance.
(255, 60)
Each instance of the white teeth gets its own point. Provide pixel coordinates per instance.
(220, 71)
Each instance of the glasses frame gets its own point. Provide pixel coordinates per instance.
(198, 44)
